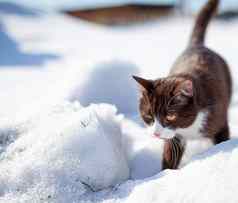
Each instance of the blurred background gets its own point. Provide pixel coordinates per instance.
(114, 12)
(87, 50)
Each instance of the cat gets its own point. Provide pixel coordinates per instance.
(192, 102)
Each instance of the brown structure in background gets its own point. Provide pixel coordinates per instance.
(125, 14)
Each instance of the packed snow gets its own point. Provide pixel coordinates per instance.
(70, 129)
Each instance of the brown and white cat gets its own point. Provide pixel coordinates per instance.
(192, 102)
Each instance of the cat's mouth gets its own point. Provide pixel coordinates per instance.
(166, 134)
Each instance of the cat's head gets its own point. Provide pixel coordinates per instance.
(167, 104)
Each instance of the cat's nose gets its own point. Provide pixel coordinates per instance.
(157, 135)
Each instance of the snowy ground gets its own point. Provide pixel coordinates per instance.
(55, 150)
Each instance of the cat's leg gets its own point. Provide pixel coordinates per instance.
(173, 152)
(222, 135)
(167, 156)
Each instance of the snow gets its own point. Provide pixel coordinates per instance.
(209, 178)
(117, 79)
(57, 146)
(63, 150)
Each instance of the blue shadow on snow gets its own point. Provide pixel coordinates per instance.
(10, 54)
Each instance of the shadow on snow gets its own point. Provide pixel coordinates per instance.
(11, 54)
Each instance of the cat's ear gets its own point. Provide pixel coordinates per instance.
(145, 84)
(186, 88)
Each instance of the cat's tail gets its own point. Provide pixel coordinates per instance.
(202, 21)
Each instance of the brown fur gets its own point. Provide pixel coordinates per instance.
(198, 81)
(173, 151)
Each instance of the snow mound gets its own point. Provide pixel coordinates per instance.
(115, 74)
(210, 177)
(62, 153)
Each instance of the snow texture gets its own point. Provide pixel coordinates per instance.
(56, 146)
(65, 151)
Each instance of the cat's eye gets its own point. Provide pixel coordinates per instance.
(171, 117)
(178, 101)
(148, 117)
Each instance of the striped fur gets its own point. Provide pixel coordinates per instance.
(173, 152)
